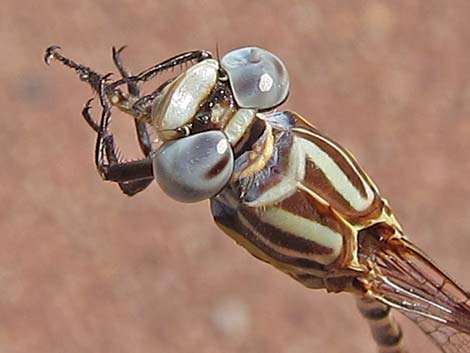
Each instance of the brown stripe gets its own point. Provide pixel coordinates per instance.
(332, 151)
(316, 179)
(229, 218)
(320, 184)
(284, 239)
(308, 207)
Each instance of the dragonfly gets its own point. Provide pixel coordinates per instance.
(283, 190)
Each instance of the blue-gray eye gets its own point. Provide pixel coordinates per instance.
(194, 168)
(258, 78)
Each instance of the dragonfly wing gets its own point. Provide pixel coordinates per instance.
(403, 277)
(449, 339)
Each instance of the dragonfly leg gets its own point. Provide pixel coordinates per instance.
(133, 176)
(150, 73)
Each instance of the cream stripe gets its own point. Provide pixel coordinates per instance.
(306, 229)
(285, 251)
(233, 202)
(338, 179)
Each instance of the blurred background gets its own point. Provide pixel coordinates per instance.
(84, 268)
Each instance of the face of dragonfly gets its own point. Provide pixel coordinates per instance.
(204, 112)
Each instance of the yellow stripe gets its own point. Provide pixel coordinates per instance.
(306, 229)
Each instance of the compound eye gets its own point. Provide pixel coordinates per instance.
(258, 78)
(194, 168)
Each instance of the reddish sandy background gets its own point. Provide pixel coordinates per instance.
(84, 268)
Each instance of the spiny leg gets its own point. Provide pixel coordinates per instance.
(143, 135)
(132, 87)
(132, 176)
(116, 96)
(130, 103)
(94, 79)
(85, 73)
(146, 75)
(141, 129)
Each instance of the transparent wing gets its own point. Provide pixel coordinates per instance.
(403, 277)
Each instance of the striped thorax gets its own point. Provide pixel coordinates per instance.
(298, 201)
